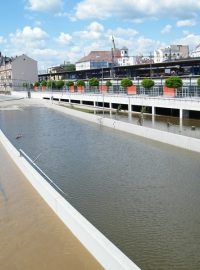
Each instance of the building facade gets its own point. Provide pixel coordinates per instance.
(196, 52)
(16, 71)
(171, 53)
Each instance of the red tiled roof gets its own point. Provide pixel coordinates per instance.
(101, 56)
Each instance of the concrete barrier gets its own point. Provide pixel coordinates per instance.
(177, 140)
(106, 253)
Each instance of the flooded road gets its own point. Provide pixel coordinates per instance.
(143, 195)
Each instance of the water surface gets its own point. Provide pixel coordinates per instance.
(143, 195)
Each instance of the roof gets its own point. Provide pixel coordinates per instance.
(100, 56)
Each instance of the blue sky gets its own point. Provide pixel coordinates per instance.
(54, 31)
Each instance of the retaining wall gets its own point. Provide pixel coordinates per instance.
(106, 253)
(177, 140)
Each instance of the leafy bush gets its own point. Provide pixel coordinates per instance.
(126, 82)
(60, 84)
(51, 84)
(44, 83)
(80, 83)
(198, 82)
(147, 83)
(70, 83)
(174, 82)
(93, 82)
(108, 84)
(37, 84)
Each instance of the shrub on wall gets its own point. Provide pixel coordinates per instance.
(70, 83)
(126, 82)
(51, 84)
(44, 83)
(174, 82)
(80, 83)
(93, 82)
(36, 84)
(60, 84)
(108, 84)
(147, 83)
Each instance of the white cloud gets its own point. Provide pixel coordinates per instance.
(134, 9)
(166, 29)
(191, 39)
(182, 23)
(93, 31)
(45, 5)
(64, 38)
(2, 40)
(28, 38)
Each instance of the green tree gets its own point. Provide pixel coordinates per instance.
(51, 84)
(198, 82)
(174, 82)
(43, 83)
(80, 83)
(60, 84)
(37, 84)
(93, 82)
(108, 84)
(70, 83)
(126, 82)
(147, 83)
(69, 67)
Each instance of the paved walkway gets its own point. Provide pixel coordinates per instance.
(31, 235)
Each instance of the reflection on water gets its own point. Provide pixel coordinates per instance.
(186, 127)
(144, 196)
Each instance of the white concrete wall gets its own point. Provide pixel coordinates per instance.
(149, 133)
(184, 142)
(108, 255)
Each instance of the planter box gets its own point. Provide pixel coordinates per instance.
(81, 89)
(103, 89)
(44, 88)
(169, 92)
(35, 88)
(71, 89)
(131, 90)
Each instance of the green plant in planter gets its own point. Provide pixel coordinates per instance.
(70, 83)
(80, 83)
(174, 82)
(43, 83)
(51, 84)
(198, 82)
(147, 83)
(108, 84)
(37, 84)
(126, 82)
(60, 84)
(93, 82)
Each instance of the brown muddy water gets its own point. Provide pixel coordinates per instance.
(143, 195)
(31, 235)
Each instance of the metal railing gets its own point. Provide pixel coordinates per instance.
(40, 171)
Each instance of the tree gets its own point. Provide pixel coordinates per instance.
(37, 84)
(108, 84)
(93, 82)
(126, 82)
(69, 67)
(51, 84)
(70, 83)
(60, 84)
(43, 83)
(147, 83)
(80, 83)
(198, 82)
(174, 82)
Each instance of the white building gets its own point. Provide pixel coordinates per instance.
(125, 59)
(15, 71)
(171, 53)
(196, 52)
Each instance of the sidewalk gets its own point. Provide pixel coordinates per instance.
(31, 236)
